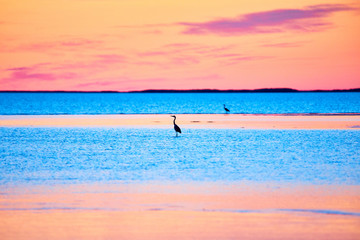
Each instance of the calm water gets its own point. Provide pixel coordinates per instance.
(165, 103)
(76, 182)
(93, 155)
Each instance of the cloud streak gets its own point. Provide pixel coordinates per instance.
(31, 73)
(284, 45)
(115, 83)
(307, 19)
(73, 44)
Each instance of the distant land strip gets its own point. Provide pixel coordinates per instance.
(260, 90)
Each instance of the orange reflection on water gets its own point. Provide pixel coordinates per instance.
(211, 211)
(174, 225)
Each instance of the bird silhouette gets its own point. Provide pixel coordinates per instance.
(176, 127)
(226, 110)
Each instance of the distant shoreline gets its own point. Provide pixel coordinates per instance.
(261, 90)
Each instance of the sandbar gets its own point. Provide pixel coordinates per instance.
(236, 121)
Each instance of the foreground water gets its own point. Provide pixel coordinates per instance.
(145, 183)
(187, 103)
(131, 178)
(102, 155)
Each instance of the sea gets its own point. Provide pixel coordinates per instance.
(82, 155)
(50, 156)
(143, 182)
(178, 103)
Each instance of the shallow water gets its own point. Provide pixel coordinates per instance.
(176, 103)
(102, 155)
(145, 183)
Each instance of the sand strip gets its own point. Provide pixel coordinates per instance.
(245, 121)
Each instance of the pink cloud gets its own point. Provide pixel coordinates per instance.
(185, 60)
(118, 83)
(94, 63)
(79, 42)
(180, 54)
(178, 45)
(182, 50)
(211, 77)
(145, 26)
(283, 45)
(153, 53)
(167, 56)
(307, 19)
(227, 55)
(154, 32)
(96, 84)
(236, 60)
(72, 44)
(110, 59)
(31, 73)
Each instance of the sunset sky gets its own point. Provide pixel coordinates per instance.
(122, 45)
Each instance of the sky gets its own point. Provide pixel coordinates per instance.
(125, 45)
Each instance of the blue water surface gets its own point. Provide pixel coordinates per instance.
(102, 155)
(177, 103)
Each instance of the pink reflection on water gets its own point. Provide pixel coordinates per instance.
(181, 211)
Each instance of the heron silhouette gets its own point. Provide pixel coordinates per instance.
(226, 110)
(176, 127)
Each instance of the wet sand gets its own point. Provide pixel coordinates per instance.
(181, 211)
(246, 121)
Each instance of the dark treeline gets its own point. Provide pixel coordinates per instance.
(261, 90)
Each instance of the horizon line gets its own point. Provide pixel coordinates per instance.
(204, 90)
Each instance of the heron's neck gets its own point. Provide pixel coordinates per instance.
(174, 120)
